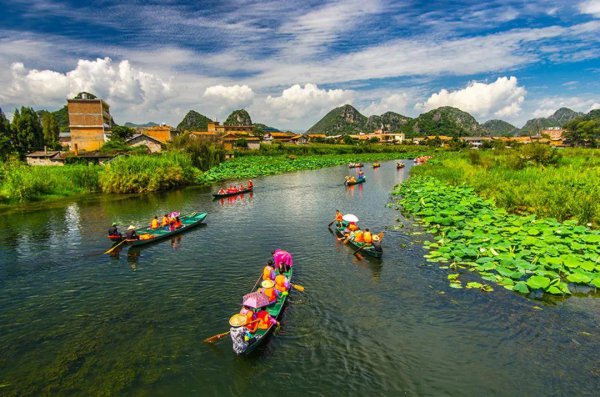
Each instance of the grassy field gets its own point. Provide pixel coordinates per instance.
(562, 184)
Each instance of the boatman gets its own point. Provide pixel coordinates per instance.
(238, 333)
(283, 259)
(113, 232)
(131, 233)
(338, 218)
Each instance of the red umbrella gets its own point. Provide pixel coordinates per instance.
(255, 300)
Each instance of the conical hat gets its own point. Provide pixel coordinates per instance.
(267, 284)
(237, 320)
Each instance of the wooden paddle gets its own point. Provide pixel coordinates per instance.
(331, 223)
(256, 283)
(217, 337)
(115, 247)
(297, 287)
(359, 256)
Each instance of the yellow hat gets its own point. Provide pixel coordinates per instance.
(375, 238)
(237, 320)
(267, 284)
(131, 227)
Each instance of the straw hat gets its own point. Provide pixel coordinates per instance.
(375, 238)
(114, 224)
(237, 320)
(131, 227)
(267, 284)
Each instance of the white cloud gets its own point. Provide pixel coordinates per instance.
(591, 7)
(227, 96)
(120, 84)
(501, 98)
(595, 105)
(547, 106)
(393, 103)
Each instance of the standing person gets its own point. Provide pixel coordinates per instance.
(237, 332)
(283, 259)
(113, 232)
(338, 218)
(250, 184)
(131, 233)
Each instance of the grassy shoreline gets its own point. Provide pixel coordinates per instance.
(21, 184)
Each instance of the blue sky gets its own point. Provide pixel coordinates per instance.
(289, 62)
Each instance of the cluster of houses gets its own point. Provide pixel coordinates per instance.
(90, 125)
(553, 136)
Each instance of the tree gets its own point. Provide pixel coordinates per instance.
(241, 143)
(27, 131)
(5, 137)
(348, 140)
(50, 129)
(121, 133)
(583, 131)
(258, 131)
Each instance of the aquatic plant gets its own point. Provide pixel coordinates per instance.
(520, 253)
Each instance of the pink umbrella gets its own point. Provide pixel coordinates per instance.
(255, 300)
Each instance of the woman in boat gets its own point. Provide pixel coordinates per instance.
(265, 320)
(239, 337)
(113, 232)
(352, 226)
(250, 184)
(338, 218)
(282, 284)
(283, 259)
(154, 224)
(268, 288)
(268, 271)
(131, 233)
(367, 237)
(361, 174)
(358, 236)
(251, 325)
(165, 221)
(377, 242)
(178, 223)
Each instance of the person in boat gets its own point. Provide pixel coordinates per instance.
(239, 334)
(131, 234)
(251, 325)
(269, 271)
(155, 224)
(367, 236)
(165, 220)
(250, 184)
(282, 284)
(283, 259)
(172, 224)
(113, 232)
(361, 174)
(265, 320)
(352, 226)
(339, 217)
(268, 288)
(377, 242)
(178, 222)
(358, 236)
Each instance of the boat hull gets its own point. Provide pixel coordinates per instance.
(371, 251)
(356, 182)
(161, 234)
(217, 196)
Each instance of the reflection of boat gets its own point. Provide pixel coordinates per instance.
(217, 195)
(400, 165)
(275, 310)
(356, 182)
(149, 235)
(369, 250)
(231, 200)
(376, 165)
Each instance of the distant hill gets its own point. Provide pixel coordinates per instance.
(194, 121)
(445, 120)
(499, 127)
(561, 117)
(266, 128)
(134, 125)
(343, 120)
(238, 117)
(388, 122)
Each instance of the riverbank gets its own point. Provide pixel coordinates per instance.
(562, 184)
(519, 253)
(20, 183)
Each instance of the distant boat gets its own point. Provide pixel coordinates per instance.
(400, 165)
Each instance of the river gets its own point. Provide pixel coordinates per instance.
(76, 322)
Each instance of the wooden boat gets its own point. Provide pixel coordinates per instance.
(355, 165)
(376, 165)
(275, 310)
(248, 190)
(356, 182)
(371, 250)
(188, 221)
(400, 165)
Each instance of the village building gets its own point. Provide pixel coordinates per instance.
(163, 133)
(45, 157)
(153, 144)
(476, 141)
(89, 122)
(283, 137)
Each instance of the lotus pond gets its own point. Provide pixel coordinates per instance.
(486, 246)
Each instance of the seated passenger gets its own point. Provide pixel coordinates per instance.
(265, 320)
(131, 233)
(269, 271)
(367, 237)
(165, 220)
(268, 288)
(178, 223)
(282, 284)
(154, 224)
(358, 236)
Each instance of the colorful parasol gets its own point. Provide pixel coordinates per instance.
(350, 218)
(255, 300)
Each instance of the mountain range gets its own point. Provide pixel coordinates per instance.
(445, 120)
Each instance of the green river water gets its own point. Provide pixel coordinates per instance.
(75, 322)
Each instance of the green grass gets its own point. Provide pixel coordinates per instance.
(278, 149)
(516, 181)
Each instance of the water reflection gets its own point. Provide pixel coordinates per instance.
(235, 200)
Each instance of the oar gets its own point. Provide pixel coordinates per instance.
(115, 247)
(256, 283)
(216, 337)
(359, 256)
(297, 287)
(331, 223)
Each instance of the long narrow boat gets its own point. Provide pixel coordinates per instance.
(355, 165)
(376, 165)
(400, 165)
(188, 221)
(275, 310)
(217, 195)
(356, 182)
(369, 250)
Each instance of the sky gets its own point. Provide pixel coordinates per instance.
(290, 62)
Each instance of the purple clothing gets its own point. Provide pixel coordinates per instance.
(280, 256)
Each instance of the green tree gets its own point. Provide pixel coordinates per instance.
(121, 133)
(27, 131)
(258, 131)
(583, 131)
(241, 143)
(348, 140)
(50, 129)
(5, 137)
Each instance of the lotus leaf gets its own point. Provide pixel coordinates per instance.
(537, 282)
(578, 278)
(521, 287)
(596, 282)
(455, 285)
